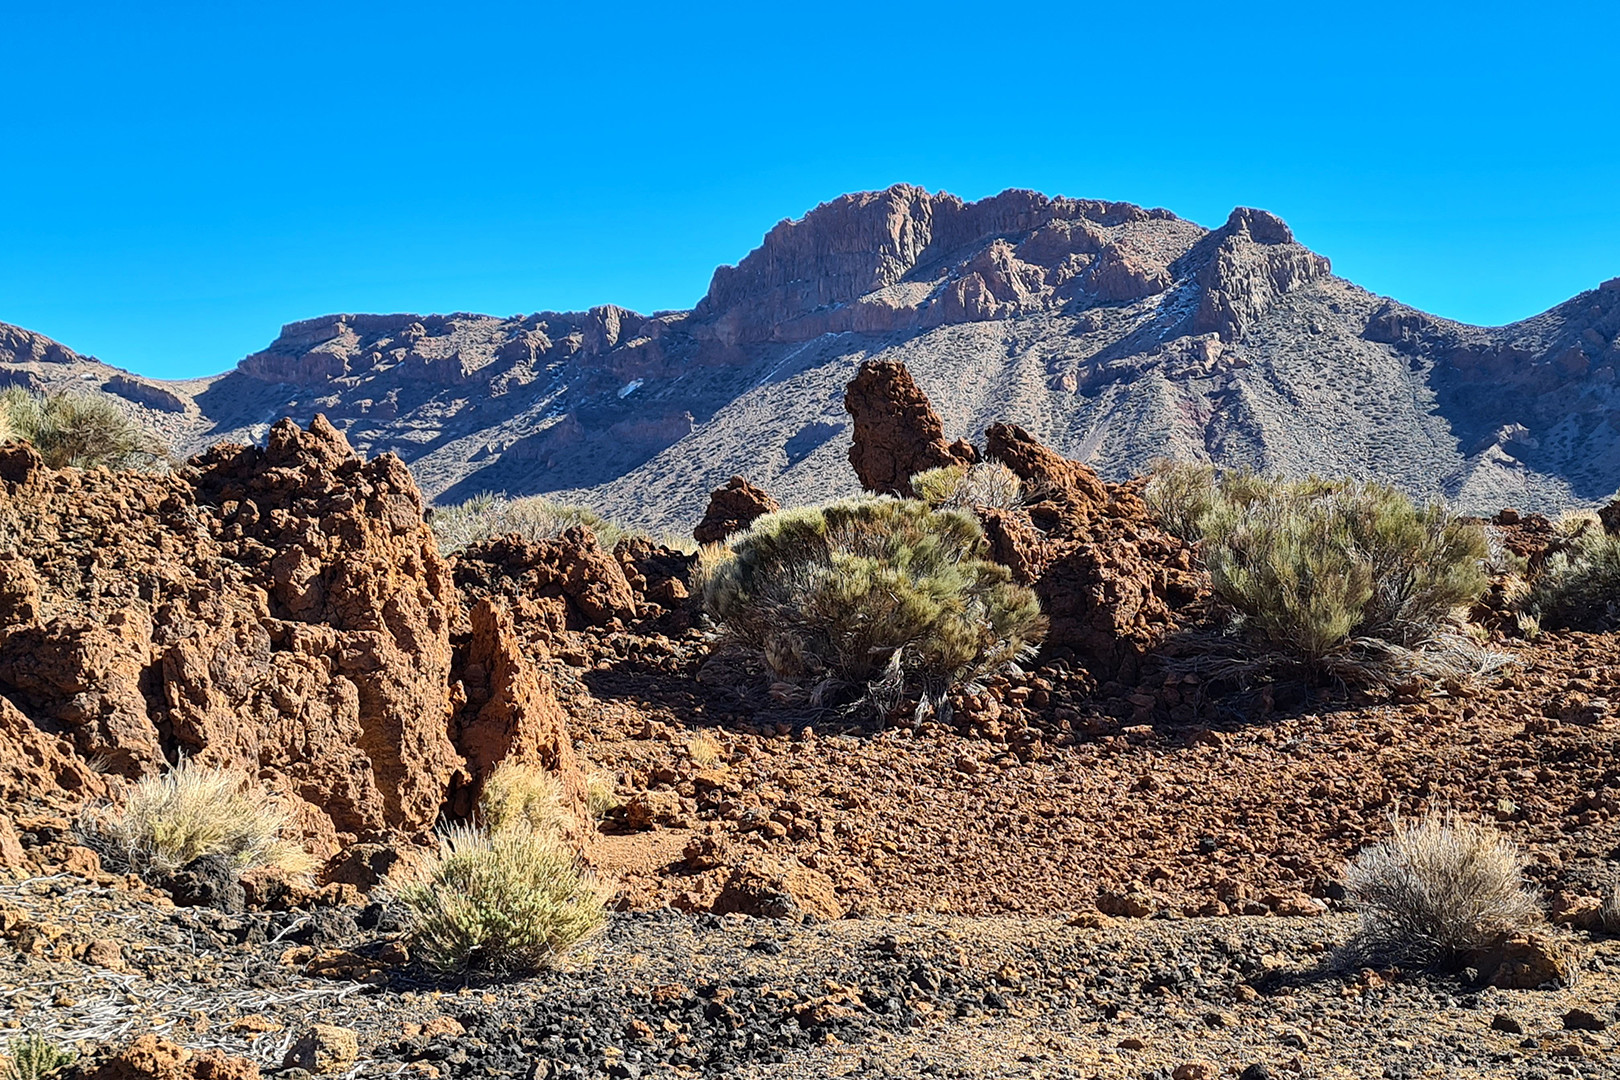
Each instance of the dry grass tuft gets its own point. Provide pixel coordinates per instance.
(704, 750)
(1438, 889)
(601, 798)
(502, 903)
(167, 821)
(521, 796)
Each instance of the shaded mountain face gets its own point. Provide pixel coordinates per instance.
(1112, 333)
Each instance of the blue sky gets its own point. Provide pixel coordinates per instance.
(182, 179)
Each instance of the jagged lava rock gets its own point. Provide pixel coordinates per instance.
(732, 509)
(897, 433)
(283, 610)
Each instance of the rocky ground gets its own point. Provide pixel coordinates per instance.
(1116, 862)
(671, 993)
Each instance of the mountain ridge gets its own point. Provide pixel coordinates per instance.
(1112, 332)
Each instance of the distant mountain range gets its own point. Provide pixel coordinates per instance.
(1113, 333)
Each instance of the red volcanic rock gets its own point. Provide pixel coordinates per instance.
(283, 610)
(897, 433)
(732, 509)
(511, 713)
(570, 576)
(152, 1057)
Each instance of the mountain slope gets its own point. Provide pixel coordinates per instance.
(1114, 333)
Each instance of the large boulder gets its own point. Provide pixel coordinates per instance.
(733, 508)
(897, 433)
(282, 610)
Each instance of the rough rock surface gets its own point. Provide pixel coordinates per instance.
(281, 609)
(897, 433)
(151, 1057)
(733, 508)
(1109, 579)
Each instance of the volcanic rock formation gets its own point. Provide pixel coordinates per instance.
(1111, 332)
(283, 610)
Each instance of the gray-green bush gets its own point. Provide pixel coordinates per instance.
(80, 430)
(1579, 589)
(1311, 567)
(534, 518)
(884, 595)
(509, 901)
(33, 1057)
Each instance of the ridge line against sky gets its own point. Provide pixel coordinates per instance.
(198, 175)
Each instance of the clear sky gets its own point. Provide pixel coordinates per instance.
(181, 179)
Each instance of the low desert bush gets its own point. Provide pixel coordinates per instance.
(1436, 890)
(1609, 913)
(487, 516)
(33, 1057)
(521, 796)
(81, 430)
(1322, 570)
(1579, 589)
(498, 903)
(1180, 496)
(601, 797)
(164, 822)
(881, 595)
(980, 486)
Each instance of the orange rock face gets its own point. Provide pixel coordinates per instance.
(897, 433)
(732, 509)
(283, 610)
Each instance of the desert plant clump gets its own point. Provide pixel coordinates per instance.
(535, 518)
(1609, 913)
(79, 430)
(984, 485)
(704, 750)
(33, 1057)
(883, 596)
(1579, 589)
(1179, 496)
(521, 796)
(165, 822)
(1348, 577)
(1438, 889)
(601, 796)
(498, 903)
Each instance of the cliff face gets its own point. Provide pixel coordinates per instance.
(1113, 333)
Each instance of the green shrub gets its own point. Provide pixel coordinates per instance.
(165, 822)
(1579, 589)
(508, 902)
(32, 1057)
(77, 429)
(534, 518)
(1313, 566)
(1437, 889)
(1180, 496)
(877, 594)
(983, 485)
